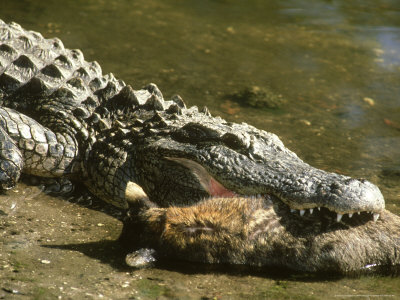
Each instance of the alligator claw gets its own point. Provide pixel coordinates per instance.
(302, 211)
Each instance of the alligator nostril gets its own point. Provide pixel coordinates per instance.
(362, 180)
(349, 181)
(334, 186)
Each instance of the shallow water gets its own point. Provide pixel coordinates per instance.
(334, 67)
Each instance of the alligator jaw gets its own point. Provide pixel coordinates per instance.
(370, 193)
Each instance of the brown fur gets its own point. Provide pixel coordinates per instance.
(254, 231)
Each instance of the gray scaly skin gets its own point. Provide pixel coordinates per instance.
(60, 117)
(262, 232)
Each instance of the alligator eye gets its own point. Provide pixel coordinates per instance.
(194, 132)
(234, 141)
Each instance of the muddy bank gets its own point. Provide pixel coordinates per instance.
(52, 248)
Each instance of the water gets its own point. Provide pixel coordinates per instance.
(335, 64)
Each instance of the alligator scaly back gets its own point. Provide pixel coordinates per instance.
(32, 66)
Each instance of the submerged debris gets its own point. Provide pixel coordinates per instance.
(258, 97)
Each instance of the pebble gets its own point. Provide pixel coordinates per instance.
(378, 51)
(231, 30)
(45, 261)
(369, 101)
(305, 122)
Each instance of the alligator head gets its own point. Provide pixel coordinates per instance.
(185, 155)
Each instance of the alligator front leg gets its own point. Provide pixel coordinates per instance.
(11, 161)
(27, 146)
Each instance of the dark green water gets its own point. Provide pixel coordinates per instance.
(335, 64)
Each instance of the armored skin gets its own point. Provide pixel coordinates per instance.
(262, 232)
(61, 117)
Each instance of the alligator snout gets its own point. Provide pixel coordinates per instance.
(352, 195)
(338, 193)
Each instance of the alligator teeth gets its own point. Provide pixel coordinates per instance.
(339, 217)
(376, 217)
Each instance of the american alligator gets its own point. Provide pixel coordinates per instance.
(262, 232)
(60, 117)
